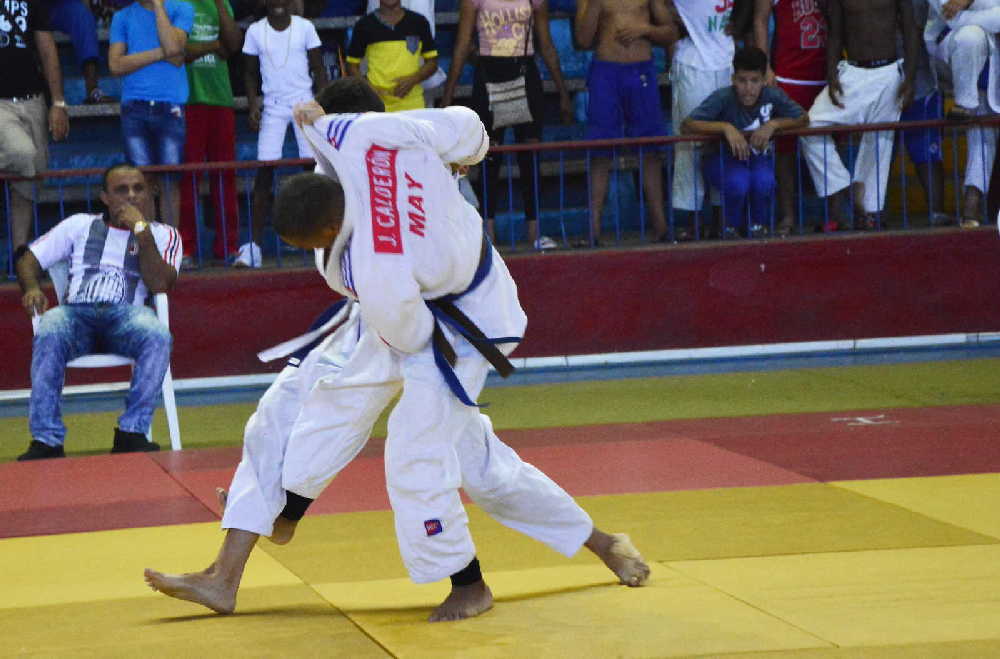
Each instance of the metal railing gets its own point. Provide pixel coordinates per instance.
(561, 176)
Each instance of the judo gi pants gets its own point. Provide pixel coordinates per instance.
(869, 96)
(968, 51)
(315, 419)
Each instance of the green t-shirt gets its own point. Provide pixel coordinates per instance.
(208, 76)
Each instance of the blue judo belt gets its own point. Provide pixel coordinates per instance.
(445, 312)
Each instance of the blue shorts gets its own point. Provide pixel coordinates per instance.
(154, 132)
(923, 144)
(624, 101)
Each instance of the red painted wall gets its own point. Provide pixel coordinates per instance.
(610, 301)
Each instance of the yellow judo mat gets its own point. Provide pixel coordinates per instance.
(903, 567)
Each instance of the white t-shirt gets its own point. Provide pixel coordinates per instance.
(284, 64)
(103, 260)
(707, 45)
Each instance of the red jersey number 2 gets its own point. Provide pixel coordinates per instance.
(813, 33)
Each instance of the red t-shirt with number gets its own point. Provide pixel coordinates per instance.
(799, 51)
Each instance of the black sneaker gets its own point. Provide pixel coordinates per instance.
(40, 451)
(132, 442)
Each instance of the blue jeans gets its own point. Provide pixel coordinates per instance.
(71, 330)
(154, 132)
(76, 20)
(740, 181)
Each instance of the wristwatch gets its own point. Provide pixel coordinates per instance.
(139, 227)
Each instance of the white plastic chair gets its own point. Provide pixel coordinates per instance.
(59, 274)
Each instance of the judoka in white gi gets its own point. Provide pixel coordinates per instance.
(400, 241)
(963, 45)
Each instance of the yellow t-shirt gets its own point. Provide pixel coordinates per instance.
(393, 51)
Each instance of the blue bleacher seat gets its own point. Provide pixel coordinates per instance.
(568, 6)
(574, 63)
(446, 5)
(343, 8)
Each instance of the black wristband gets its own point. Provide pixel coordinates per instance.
(295, 506)
(468, 575)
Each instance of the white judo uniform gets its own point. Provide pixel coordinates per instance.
(870, 95)
(408, 237)
(961, 48)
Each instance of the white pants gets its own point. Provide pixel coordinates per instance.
(968, 50)
(274, 120)
(869, 96)
(315, 419)
(691, 86)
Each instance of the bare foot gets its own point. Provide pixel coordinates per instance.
(620, 555)
(464, 602)
(205, 588)
(284, 531)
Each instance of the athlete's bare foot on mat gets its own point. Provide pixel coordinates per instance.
(205, 588)
(464, 602)
(620, 555)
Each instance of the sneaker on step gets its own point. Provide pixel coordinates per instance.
(249, 256)
(40, 451)
(544, 242)
(132, 442)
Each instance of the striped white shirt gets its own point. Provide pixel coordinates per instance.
(103, 260)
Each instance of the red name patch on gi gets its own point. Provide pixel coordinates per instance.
(433, 526)
(381, 163)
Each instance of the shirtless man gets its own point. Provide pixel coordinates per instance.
(624, 95)
(871, 86)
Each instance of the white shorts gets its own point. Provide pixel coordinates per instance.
(274, 120)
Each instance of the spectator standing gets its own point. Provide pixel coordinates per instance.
(871, 86)
(624, 97)
(702, 63)
(963, 41)
(74, 18)
(25, 124)
(505, 31)
(426, 9)
(284, 58)
(146, 49)
(797, 65)
(116, 259)
(400, 52)
(744, 171)
(211, 122)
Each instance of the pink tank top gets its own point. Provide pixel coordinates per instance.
(502, 27)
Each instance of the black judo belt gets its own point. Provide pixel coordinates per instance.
(446, 312)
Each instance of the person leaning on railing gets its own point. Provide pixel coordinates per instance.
(744, 171)
(24, 139)
(507, 52)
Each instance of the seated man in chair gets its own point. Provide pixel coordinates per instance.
(117, 259)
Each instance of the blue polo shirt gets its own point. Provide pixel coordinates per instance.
(135, 27)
